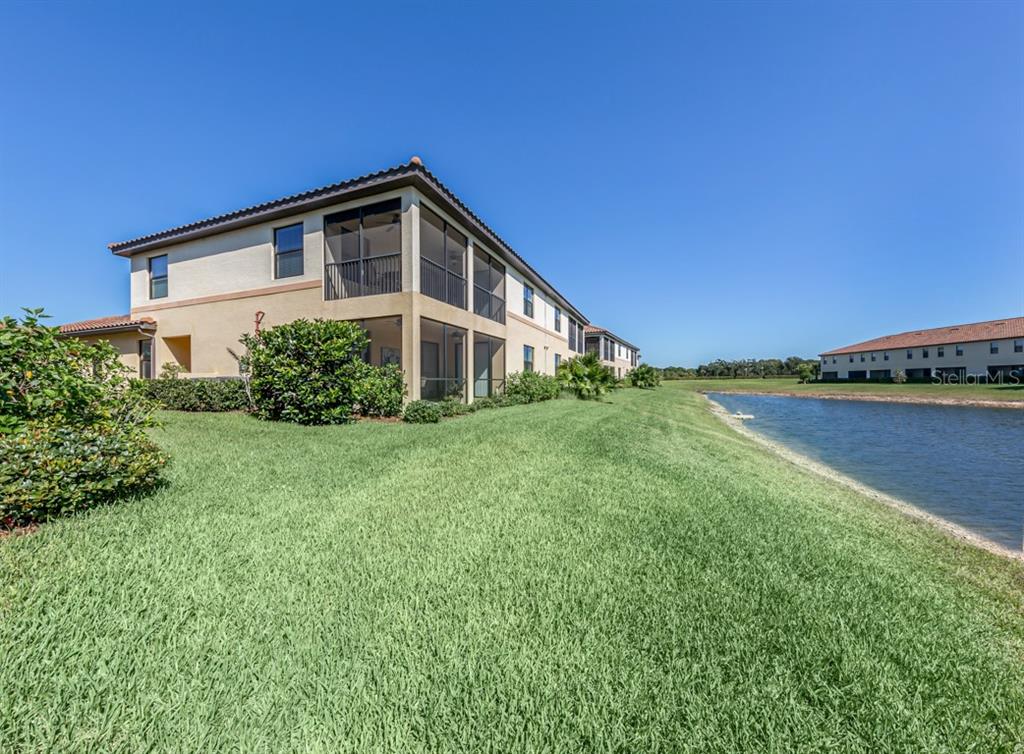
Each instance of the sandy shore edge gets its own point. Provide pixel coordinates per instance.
(922, 399)
(832, 475)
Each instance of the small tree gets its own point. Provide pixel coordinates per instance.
(805, 371)
(72, 433)
(586, 376)
(900, 377)
(645, 376)
(312, 372)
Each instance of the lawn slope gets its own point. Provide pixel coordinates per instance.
(621, 576)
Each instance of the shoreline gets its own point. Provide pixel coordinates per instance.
(919, 399)
(827, 472)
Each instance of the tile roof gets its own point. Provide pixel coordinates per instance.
(107, 324)
(592, 330)
(996, 329)
(411, 172)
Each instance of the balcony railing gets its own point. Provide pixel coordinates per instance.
(486, 304)
(442, 284)
(439, 388)
(363, 277)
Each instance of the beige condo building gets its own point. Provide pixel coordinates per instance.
(439, 292)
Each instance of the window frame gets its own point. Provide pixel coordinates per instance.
(165, 277)
(940, 352)
(528, 349)
(291, 253)
(528, 307)
(993, 348)
(558, 319)
(145, 344)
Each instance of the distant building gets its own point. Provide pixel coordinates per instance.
(984, 351)
(614, 352)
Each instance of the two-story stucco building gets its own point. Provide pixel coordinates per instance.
(615, 353)
(991, 350)
(440, 293)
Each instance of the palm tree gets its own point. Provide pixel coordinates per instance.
(586, 376)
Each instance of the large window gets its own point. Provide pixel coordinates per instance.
(288, 251)
(146, 358)
(442, 259)
(558, 319)
(158, 276)
(488, 286)
(364, 251)
(527, 301)
(442, 361)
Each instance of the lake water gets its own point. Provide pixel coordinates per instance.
(961, 463)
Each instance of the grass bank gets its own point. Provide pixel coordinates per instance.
(908, 391)
(628, 576)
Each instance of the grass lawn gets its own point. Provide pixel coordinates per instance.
(922, 390)
(619, 576)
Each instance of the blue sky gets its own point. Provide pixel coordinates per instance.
(707, 180)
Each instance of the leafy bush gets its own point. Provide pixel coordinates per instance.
(452, 407)
(505, 400)
(899, 377)
(380, 391)
(586, 376)
(72, 432)
(531, 387)
(805, 372)
(195, 394)
(422, 412)
(645, 376)
(308, 372)
(479, 404)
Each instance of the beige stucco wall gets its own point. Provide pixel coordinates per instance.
(126, 343)
(217, 284)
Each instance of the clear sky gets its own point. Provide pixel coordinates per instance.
(706, 180)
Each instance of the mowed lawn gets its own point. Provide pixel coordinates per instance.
(620, 576)
(974, 392)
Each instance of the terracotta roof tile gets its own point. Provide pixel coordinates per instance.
(592, 330)
(106, 324)
(996, 329)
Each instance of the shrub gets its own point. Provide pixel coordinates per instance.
(452, 407)
(510, 400)
(72, 432)
(645, 376)
(49, 469)
(531, 387)
(195, 394)
(586, 376)
(805, 372)
(479, 404)
(380, 391)
(422, 412)
(308, 372)
(899, 377)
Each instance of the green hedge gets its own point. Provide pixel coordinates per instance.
(422, 412)
(181, 394)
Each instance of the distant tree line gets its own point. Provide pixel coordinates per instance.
(794, 366)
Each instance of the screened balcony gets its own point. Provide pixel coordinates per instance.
(442, 260)
(442, 361)
(363, 253)
(385, 346)
(488, 287)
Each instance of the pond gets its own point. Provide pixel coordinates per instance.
(962, 463)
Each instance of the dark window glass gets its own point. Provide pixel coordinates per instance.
(158, 276)
(146, 359)
(527, 301)
(288, 251)
(873, 357)
(558, 360)
(910, 354)
(851, 358)
(924, 353)
(940, 352)
(959, 350)
(558, 319)
(1018, 346)
(885, 356)
(993, 348)
(527, 358)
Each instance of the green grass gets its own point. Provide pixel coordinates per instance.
(791, 385)
(570, 576)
